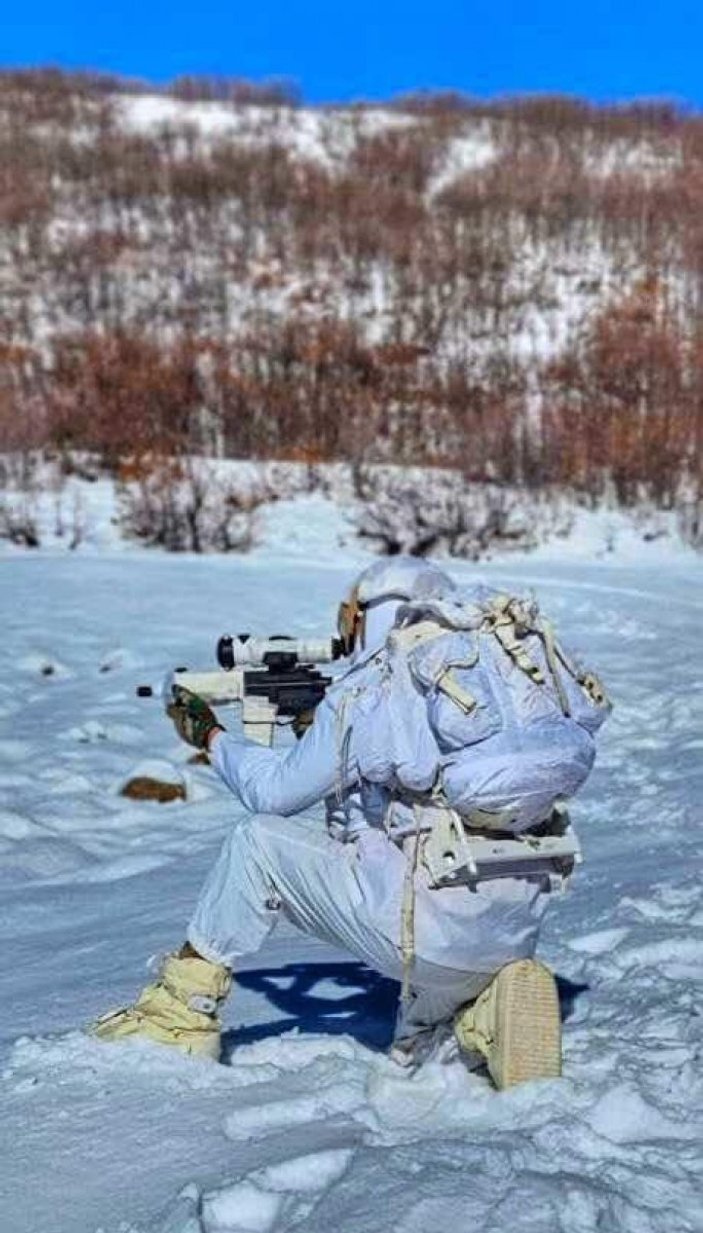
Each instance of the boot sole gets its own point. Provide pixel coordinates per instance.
(528, 1025)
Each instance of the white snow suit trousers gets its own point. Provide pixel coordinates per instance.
(351, 894)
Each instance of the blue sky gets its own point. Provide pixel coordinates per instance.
(365, 49)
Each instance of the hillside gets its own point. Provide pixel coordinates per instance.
(513, 290)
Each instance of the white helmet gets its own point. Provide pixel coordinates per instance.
(387, 583)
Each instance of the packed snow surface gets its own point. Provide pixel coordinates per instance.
(309, 1125)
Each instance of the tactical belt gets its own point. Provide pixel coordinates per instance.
(456, 850)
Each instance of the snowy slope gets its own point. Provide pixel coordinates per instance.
(324, 135)
(550, 292)
(310, 1126)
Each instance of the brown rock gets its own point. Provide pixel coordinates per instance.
(144, 788)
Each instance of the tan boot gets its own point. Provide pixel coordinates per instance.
(179, 1009)
(515, 1024)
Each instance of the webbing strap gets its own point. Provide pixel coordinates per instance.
(593, 687)
(590, 683)
(409, 636)
(463, 698)
(546, 633)
(505, 618)
(411, 848)
(344, 737)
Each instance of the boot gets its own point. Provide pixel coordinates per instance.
(179, 1009)
(515, 1024)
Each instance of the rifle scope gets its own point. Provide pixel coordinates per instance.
(243, 651)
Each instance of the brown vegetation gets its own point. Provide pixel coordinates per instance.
(535, 320)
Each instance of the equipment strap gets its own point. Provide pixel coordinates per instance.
(408, 636)
(411, 850)
(590, 683)
(546, 633)
(463, 698)
(506, 618)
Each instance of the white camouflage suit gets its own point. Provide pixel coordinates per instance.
(338, 874)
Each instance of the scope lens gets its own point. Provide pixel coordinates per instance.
(225, 653)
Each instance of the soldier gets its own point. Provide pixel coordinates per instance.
(354, 873)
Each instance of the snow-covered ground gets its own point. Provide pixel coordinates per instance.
(310, 1126)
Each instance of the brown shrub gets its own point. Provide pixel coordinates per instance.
(629, 408)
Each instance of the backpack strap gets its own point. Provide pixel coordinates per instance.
(449, 685)
(590, 683)
(406, 637)
(546, 632)
(411, 851)
(507, 617)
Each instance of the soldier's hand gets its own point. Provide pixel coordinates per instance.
(302, 722)
(194, 720)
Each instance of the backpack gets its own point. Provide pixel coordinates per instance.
(473, 703)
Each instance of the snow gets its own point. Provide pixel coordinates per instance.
(470, 152)
(622, 1116)
(600, 942)
(245, 1206)
(144, 113)
(324, 135)
(309, 1124)
(652, 161)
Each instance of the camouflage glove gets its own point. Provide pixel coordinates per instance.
(195, 721)
(302, 722)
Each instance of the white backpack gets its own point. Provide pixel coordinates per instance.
(473, 703)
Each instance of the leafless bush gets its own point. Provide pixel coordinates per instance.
(184, 505)
(19, 494)
(690, 519)
(437, 102)
(119, 395)
(19, 519)
(273, 92)
(627, 408)
(69, 516)
(438, 513)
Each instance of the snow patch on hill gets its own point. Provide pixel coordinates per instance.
(323, 135)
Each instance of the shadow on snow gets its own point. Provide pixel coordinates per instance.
(331, 999)
(338, 999)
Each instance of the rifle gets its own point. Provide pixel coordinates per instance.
(275, 680)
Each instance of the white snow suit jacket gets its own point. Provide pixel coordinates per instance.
(323, 766)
